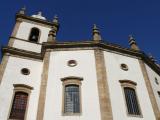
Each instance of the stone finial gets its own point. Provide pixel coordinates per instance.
(22, 10)
(54, 30)
(55, 19)
(96, 34)
(158, 65)
(52, 36)
(39, 13)
(152, 58)
(132, 43)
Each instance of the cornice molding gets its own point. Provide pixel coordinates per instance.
(83, 45)
(20, 52)
(21, 17)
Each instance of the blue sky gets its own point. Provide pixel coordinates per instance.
(115, 18)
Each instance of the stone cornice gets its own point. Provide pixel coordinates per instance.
(20, 52)
(83, 45)
(37, 20)
(105, 46)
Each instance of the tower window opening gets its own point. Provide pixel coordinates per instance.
(34, 35)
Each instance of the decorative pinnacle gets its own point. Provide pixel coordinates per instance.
(55, 19)
(95, 29)
(22, 10)
(132, 42)
(52, 36)
(131, 37)
(40, 13)
(96, 33)
(152, 58)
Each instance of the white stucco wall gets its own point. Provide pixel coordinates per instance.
(25, 28)
(24, 32)
(12, 76)
(114, 74)
(86, 69)
(27, 46)
(152, 75)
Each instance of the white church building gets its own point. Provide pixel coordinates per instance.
(43, 79)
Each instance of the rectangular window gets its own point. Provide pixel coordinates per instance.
(131, 101)
(19, 106)
(71, 99)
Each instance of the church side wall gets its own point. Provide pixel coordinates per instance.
(12, 75)
(156, 87)
(134, 73)
(58, 69)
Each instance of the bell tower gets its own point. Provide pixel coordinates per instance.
(30, 31)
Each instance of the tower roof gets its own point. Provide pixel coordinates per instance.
(39, 16)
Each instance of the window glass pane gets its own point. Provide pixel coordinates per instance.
(131, 101)
(72, 103)
(19, 106)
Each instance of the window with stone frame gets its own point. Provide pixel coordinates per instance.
(20, 102)
(131, 99)
(71, 96)
(19, 106)
(71, 99)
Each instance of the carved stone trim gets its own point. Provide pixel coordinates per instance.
(103, 89)
(106, 46)
(33, 20)
(71, 80)
(130, 84)
(150, 90)
(3, 66)
(23, 53)
(43, 87)
(21, 88)
(92, 45)
(14, 33)
(16, 27)
(15, 38)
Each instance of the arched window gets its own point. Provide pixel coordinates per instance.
(34, 35)
(19, 106)
(72, 95)
(72, 99)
